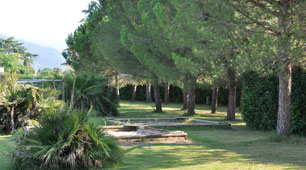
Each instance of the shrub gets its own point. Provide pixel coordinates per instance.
(259, 101)
(92, 90)
(66, 140)
(298, 98)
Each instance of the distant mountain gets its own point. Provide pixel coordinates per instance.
(47, 57)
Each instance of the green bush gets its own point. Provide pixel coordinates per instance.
(92, 90)
(298, 102)
(260, 101)
(66, 140)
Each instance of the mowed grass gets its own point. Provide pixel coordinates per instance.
(6, 147)
(238, 148)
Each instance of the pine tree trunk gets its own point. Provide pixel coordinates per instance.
(118, 92)
(214, 100)
(185, 99)
(285, 72)
(157, 96)
(72, 92)
(12, 118)
(54, 85)
(63, 89)
(148, 93)
(134, 93)
(283, 115)
(191, 95)
(231, 108)
(167, 88)
(117, 86)
(240, 108)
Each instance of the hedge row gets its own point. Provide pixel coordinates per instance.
(260, 101)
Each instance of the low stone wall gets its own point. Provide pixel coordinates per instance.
(143, 134)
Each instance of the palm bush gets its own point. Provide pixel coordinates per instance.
(66, 141)
(19, 103)
(91, 90)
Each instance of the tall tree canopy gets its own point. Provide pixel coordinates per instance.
(189, 41)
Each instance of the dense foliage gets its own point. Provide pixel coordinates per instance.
(91, 90)
(179, 41)
(298, 100)
(66, 140)
(260, 101)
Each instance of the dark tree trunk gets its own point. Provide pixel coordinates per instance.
(285, 71)
(214, 100)
(134, 93)
(191, 95)
(157, 96)
(231, 108)
(185, 99)
(148, 93)
(167, 88)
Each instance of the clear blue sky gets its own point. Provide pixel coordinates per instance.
(47, 22)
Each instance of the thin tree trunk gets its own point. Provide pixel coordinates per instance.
(72, 92)
(240, 108)
(12, 118)
(63, 89)
(118, 92)
(167, 88)
(117, 86)
(134, 93)
(285, 72)
(214, 100)
(231, 108)
(148, 93)
(157, 96)
(54, 85)
(191, 95)
(185, 99)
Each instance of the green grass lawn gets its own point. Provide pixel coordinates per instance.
(238, 148)
(6, 147)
